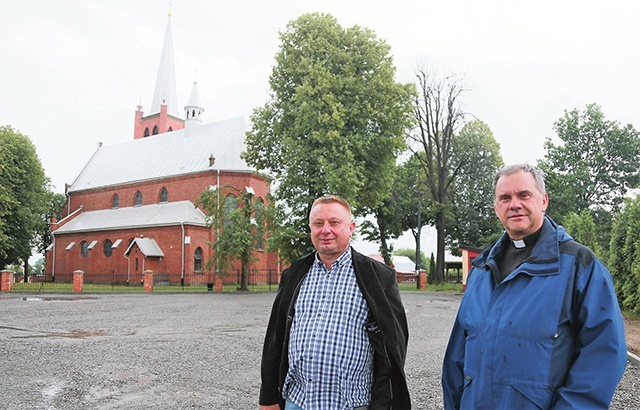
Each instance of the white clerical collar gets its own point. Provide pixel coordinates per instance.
(519, 243)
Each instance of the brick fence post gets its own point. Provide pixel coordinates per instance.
(6, 281)
(217, 280)
(78, 281)
(423, 280)
(148, 281)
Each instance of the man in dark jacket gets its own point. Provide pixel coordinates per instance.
(337, 336)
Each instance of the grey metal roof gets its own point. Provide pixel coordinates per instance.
(148, 247)
(166, 214)
(173, 153)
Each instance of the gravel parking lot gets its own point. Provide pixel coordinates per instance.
(180, 351)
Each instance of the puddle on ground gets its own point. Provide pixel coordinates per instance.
(74, 334)
(63, 299)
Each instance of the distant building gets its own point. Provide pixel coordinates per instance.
(131, 208)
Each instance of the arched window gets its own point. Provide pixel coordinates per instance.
(84, 249)
(170, 129)
(164, 195)
(230, 205)
(106, 248)
(197, 260)
(146, 132)
(138, 199)
(155, 130)
(259, 214)
(115, 201)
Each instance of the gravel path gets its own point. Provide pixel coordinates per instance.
(180, 351)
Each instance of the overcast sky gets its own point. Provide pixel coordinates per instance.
(73, 72)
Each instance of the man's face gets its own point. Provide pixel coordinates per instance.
(331, 229)
(519, 205)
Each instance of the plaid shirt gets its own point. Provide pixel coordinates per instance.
(330, 357)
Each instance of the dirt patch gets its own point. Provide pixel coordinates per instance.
(632, 328)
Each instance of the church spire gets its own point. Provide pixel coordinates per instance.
(193, 109)
(165, 92)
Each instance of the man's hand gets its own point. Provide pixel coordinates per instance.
(270, 407)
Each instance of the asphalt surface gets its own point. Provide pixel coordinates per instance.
(181, 351)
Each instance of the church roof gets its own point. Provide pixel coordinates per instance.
(167, 214)
(170, 154)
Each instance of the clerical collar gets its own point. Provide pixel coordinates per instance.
(526, 241)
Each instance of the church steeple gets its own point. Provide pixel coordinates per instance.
(164, 115)
(193, 109)
(165, 91)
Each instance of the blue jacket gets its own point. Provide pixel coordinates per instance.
(551, 335)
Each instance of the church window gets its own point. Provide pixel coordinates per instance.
(146, 132)
(170, 129)
(197, 260)
(138, 199)
(164, 195)
(230, 205)
(107, 249)
(259, 215)
(155, 130)
(84, 249)
(115, 201)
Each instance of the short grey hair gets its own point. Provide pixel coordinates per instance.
(537, 173)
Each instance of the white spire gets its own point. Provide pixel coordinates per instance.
(165, 91)
(193, 109)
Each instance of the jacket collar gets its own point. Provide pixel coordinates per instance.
(545, 250)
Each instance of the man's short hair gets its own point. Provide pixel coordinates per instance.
(537, 173)
(331, 199)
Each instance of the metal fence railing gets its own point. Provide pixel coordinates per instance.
(258, 280)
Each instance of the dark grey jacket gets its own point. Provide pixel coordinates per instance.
(387, 329)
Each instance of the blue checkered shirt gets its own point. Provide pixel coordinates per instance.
(330, 357)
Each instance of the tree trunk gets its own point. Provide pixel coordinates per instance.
(440, 265)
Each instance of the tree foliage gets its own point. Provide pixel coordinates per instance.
(236, 231)
(399, 212)
(583, 229)
(334, 123)
(624, 256)
(24, 197)
(472, 220)
(596, 164)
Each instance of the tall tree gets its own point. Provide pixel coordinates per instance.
(438, 114)
(472, 220)
(596, 164)
(236, 231)
(624, 258)
(334, 123)
(23, 197)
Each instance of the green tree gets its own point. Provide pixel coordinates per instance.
(432, 269)
(439, 116)
(334, 123)
(236, 231)
(583, 229)
(624, 257)
(472, 220)
(398, 212)
(596, 164)
(23, 198)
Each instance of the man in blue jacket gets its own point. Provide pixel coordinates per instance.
(539, 325)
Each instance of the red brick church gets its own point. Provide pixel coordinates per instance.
(131, 208)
